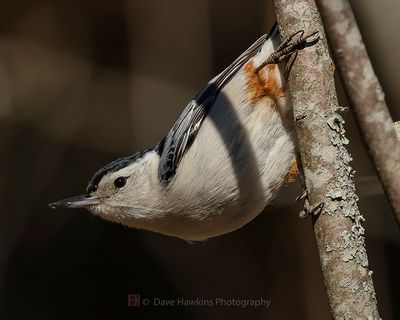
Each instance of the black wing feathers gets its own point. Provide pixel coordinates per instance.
(180, 137)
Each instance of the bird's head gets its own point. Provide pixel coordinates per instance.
(119, 191)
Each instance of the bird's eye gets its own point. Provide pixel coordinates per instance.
(120, 182)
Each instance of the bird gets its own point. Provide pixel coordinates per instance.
(222, 162)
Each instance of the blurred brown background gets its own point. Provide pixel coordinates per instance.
(84, 82)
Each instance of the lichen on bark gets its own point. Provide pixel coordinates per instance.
(326, 162)
(365, 95)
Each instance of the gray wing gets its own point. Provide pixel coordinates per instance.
(180, 137)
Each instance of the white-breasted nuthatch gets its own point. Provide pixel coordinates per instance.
(222, 162)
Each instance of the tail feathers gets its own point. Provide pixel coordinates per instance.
(269, 46)
(231, 70)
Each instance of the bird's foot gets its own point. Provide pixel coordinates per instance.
(308, 209)
(290, 45)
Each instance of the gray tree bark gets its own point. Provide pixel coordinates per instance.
(365, 95)
(326, 163)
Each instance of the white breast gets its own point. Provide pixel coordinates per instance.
(236, 164)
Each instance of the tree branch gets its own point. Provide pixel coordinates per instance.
(397, 128)
(329, 177)
(365, 95)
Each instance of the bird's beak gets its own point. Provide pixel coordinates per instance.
(75, 202)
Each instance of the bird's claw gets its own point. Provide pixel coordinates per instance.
(290, 45)
(302, 196)
(308, 209)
